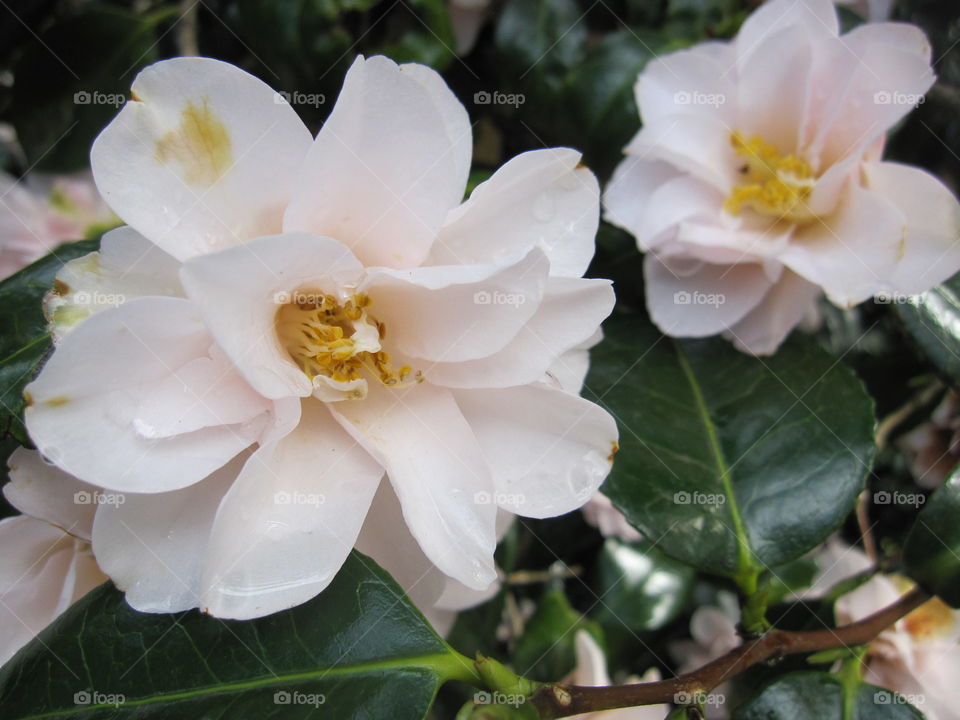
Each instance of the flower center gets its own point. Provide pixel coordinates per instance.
(336, 340)
(772, 184)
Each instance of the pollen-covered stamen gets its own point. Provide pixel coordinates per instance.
(337, 340)
(772, 184)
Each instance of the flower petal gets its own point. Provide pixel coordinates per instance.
(289, 521)
(626, 197)
(852, 253)
(930, 252)
(154, 547)
(541, 198)
(126, 267)
(438, 471)
(453, 313)
(817, 18)
(203, 156)
(570, 313)
(84, 407)
(39, 489)
(704, 301)
(42, 572)
(549, 450)
(761, 331)
(238, 292)
(388, 164)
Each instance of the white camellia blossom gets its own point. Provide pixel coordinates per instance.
(591, 671)
(46, 564)
(756, 184)
(916, 657)
(317, 315)
(39, 212)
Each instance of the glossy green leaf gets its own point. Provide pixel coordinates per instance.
(545, 651)
(25, 342)
(603, 91)
(358, 650)
(933, 320)
(819, 696)
(731, 463)
(932, 550)
(641, 588)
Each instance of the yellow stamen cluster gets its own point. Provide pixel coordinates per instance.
(320, 334)
(774, 185)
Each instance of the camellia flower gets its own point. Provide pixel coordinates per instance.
(323, 313)
(46, 564)
(756, 182)
(591, 670)
(934, 447)
(39, 212)
(916, 657)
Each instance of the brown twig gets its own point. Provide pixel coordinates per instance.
(560, 700)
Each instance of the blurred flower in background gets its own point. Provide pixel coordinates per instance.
(933, 447)
(39, 212)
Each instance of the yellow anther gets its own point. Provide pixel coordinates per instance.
(773, 184)
(320, 336)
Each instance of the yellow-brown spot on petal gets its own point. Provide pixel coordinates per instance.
(58, 401)
(60, 287)
(932, 619)
(28, 399)
(614, 449)
(199, 148)
(134, 97)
